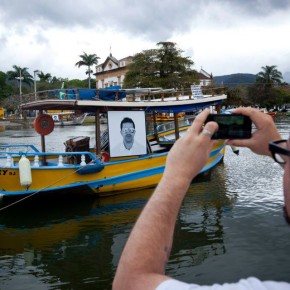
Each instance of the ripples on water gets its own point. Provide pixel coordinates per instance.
(230, 226)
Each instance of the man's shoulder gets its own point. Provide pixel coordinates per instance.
(243, 284)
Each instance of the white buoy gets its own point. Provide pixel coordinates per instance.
(36, 161)
(60, 161)
(8, 161)
(25, 172)
(83, 160)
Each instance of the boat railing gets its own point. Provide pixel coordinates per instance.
(138, 94)
(21, 147)
(165, 127)
(51, 158)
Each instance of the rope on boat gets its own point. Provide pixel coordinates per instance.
(40, 190)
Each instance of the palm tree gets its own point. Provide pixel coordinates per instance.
(269, 76)
(18, 72)
(44, 77)
(23, 76)
(88, 60)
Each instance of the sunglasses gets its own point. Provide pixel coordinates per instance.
(278, 150)
(128, 130)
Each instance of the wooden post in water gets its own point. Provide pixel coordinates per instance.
(98, 131)
(43, 149)
(218, 109)
(155, 125)
(42, 139)
(176, 126)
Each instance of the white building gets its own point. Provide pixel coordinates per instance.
(205, 79)
(112, 72)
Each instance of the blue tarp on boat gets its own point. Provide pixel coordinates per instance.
(106, 94)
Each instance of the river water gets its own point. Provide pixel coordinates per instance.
(230, 226)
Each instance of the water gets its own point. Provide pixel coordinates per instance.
(230, 226)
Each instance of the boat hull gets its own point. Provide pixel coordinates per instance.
(114, 176)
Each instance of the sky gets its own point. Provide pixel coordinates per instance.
(221, 36)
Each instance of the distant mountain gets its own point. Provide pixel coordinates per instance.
(234, 80)
(286, 77)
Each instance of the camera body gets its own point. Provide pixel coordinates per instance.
(231, 126)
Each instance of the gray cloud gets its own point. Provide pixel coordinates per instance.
(3, 40)
(260, 7)
(155, 20)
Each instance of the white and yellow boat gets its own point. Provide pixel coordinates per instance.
(80, 169)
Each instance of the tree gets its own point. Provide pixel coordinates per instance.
(264, 91)
(162, 67)
(269, 76)
(44, 77)
(18, 71)
(237, 96)
(88, 60)
(5, 89)
(75, 83)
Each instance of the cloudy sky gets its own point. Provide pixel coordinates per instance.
(221, 36)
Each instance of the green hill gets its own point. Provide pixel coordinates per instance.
(234, 80)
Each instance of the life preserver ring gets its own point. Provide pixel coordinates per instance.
(105, 156)
(43, 124)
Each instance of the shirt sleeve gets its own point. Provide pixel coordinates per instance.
(244, 284)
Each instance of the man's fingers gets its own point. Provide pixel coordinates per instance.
(209, 129)
(199, 121)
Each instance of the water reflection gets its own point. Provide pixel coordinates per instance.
(199, 229)
(66, 242)
(56, 236)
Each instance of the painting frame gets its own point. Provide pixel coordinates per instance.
(127, 133)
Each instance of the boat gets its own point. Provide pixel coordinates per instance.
(67, 118)
(165, 117)
(264, 110)
(102, 170)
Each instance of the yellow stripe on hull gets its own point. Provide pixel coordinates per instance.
(50, 177)
(121, 175)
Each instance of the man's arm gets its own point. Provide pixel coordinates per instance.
(146, 253)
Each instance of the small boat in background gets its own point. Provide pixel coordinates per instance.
(264, 110)
(67, 118)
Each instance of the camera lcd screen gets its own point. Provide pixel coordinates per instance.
(232, 126)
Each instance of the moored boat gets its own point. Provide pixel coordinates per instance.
(272, 114)
(107, 169)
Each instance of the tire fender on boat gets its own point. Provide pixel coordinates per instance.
(43, 124)
(25, 172)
